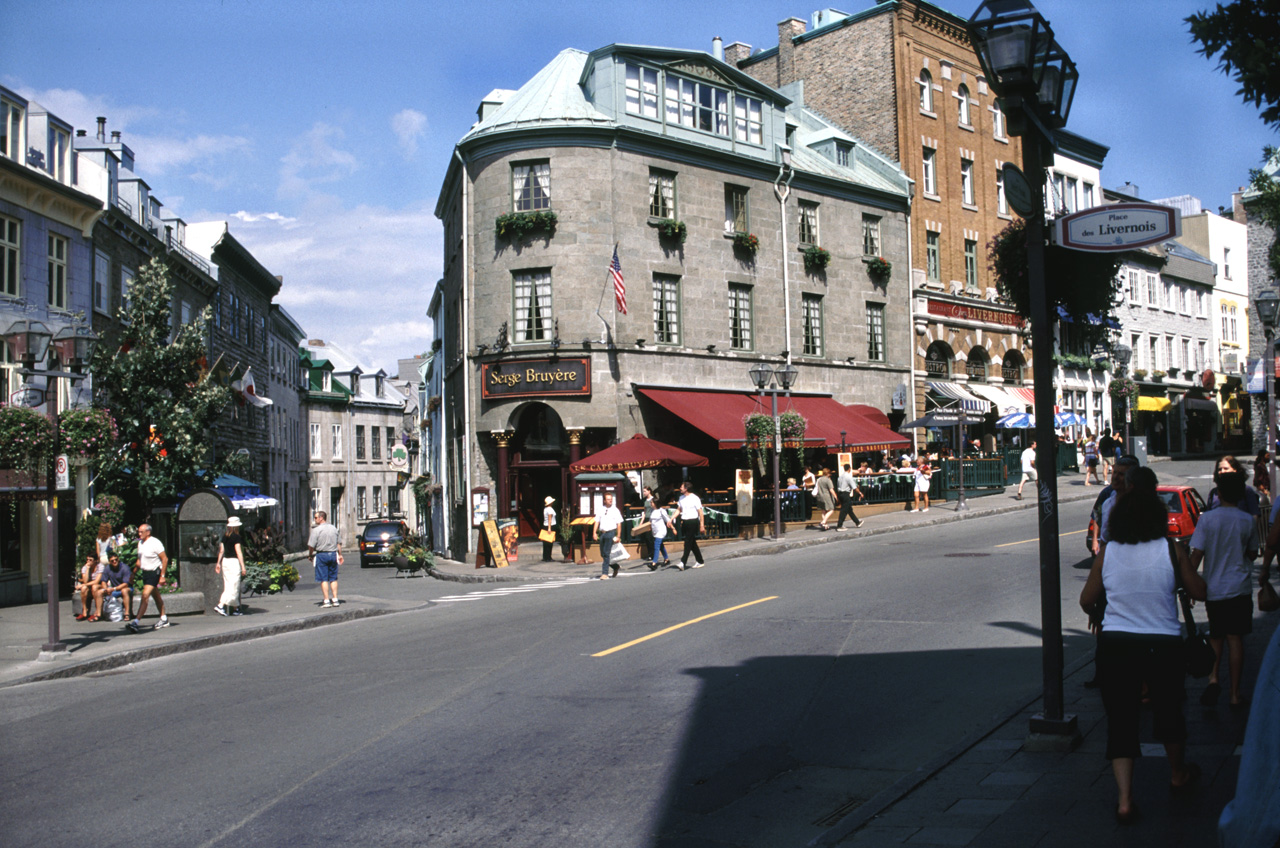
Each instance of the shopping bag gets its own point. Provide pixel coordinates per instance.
(546, 536)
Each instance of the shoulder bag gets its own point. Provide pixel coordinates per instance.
(1200, 657)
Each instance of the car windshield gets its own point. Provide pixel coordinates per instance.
(1172, 501)
(385, 530)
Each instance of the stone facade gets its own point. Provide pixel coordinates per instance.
(1261, 277)
(287, 426)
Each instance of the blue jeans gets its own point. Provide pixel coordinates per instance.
(660, 547)
(606, 545)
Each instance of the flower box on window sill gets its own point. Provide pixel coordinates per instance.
(878, 267)
(671, 229)
(1158, 376)
(816, 258)
(517, 225)
(746, 242)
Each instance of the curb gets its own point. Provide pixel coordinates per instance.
(886, 798)
(133, 655)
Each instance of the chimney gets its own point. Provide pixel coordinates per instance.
(81, 133)
(736, 52)
(717, 48)
(115, 136)
(788, 30)
(102, 129)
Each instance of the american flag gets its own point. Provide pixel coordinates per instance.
(619, 286)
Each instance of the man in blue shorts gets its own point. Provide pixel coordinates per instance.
(326, 557)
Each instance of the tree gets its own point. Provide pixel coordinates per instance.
(1084, 284)
(161, 393)
(1245, 35)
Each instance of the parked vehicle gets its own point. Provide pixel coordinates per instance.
(378, 537)
(1185, 508)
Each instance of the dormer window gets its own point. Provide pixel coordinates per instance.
(60, 155)
(695, 104)
(326, 381)
(378, 387)
(842, 154)
(11, 129)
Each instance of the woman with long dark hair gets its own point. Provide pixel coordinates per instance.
(1136, 573)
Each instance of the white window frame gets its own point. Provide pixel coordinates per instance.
(531, 186)
(642, 92)
(1226, 263)
(997, 122)
(871, 243)
(963, 113)
(933, 256)
(925, 81)
(1002, 200)
(362, 502)
(13, 128)
(126, 278)
(315, 444)
(1088, 201)
(808, 223)
(1069, 194)
(741, 302)
(60, 154)
(666, 309)
(1170, 296)
(10, 258)
(531, 305)
(875, 332)
(1153, 291)
(101, 282)
(811, 316)
(929, 174)
(732, 194)
(58, 256)
(971, 265)
(662, 194)
(335, 441)
(966, 182)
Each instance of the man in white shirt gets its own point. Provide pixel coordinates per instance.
(152, 562)
(605, 528)
(1028, 467)
(690, 506)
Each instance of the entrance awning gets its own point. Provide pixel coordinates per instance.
(1199, 404)
(636, 453)
(720, 415)
(1005, 402)
(1153, 404)
(1025, 392)
(955, 391)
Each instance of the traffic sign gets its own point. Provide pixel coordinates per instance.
(61, 466)
(1120, 226)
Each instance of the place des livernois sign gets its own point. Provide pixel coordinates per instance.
(535, 377)
(1120, 226)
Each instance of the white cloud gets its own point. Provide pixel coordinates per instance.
(409, 125)
(313, 160)
(253, 218)
(161, 154)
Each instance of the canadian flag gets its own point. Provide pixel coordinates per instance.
(245, 391)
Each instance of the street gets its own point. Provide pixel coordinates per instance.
(829, 673)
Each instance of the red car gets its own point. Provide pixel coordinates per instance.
(1185, 507)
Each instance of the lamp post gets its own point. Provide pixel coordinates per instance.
(1267, 303)
(762, 375)
(1035, 80)
(782, 188)
(1122, 354)
(73, 343)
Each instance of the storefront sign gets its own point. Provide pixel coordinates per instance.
(965, 312)
(1120, 226)
(535, 378)
(1017, 190)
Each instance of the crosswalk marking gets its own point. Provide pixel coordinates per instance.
(481, 594)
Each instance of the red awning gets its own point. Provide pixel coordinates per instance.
(720, 415)
(635, 453)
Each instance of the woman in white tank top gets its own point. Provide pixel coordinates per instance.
(1140, 640)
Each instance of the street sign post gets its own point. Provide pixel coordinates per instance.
(62, 467)
(28, 396)
(1120, 226)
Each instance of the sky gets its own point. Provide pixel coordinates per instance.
(321, 130)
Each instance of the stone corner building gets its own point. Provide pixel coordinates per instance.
(671, 158)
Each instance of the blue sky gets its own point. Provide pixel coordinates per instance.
(322, 130)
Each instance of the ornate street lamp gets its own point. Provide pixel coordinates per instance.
(1035, 81)
(1122, 354)
(30, 341)
(1267, 303)
(762, 375)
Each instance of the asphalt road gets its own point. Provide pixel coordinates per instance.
(785, 691)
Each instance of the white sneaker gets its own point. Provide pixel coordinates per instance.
(327, 603)
(915, 510)
(926, 509)
(220, 610)
(163, 622)
(336, 602)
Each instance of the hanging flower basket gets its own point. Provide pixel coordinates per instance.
(746, 242)
(879, 268)
(26, 439)
(759, 433)
(816, 258)
(1122, 388)
(673, 230)
(86, 432)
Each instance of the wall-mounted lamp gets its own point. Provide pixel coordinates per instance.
(639, 342)
(711, 348)
(586, 344)
(786, 354)
(851, 359)
(481, 348)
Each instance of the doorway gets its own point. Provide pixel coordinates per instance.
(533, 485)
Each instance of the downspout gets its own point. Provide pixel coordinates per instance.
(911, 316)
(466, 341)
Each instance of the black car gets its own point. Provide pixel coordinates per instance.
(376, 541)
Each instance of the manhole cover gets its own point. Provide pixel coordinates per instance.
(967, 554)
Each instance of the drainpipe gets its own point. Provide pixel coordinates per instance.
(464, 321)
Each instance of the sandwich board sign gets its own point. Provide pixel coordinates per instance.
(1120, 226)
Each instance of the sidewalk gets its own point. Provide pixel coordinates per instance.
(102, 645)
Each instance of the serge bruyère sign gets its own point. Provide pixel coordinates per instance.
(1120, 226)
(535, 378)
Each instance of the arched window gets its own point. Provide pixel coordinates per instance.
(937, 361)
(1012, 367)
(997, 120)
(976, 366)
(926, 91)
(962, 94)
(540, 434)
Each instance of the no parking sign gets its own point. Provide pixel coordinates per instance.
(63, 475)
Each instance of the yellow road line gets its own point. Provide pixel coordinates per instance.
(1029, 541)
(626, 645)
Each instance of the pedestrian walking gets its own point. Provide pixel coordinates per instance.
(923, 477)
(1091, 450)
(645, 537)
(660, 527)
(1226, 541)
(1028, 468)
(1141, 638)
(825, 491)
(690, 506)
(326, 556)
(153, 562)
(1261, 471)
(231, 565)
(848, 485)
(1107, 452)
(604, 526)
(548, 526)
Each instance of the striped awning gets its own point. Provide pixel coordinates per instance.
(1004, 401)
(968, 402)
(1023, 392)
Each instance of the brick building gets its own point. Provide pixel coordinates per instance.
(621, 143)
